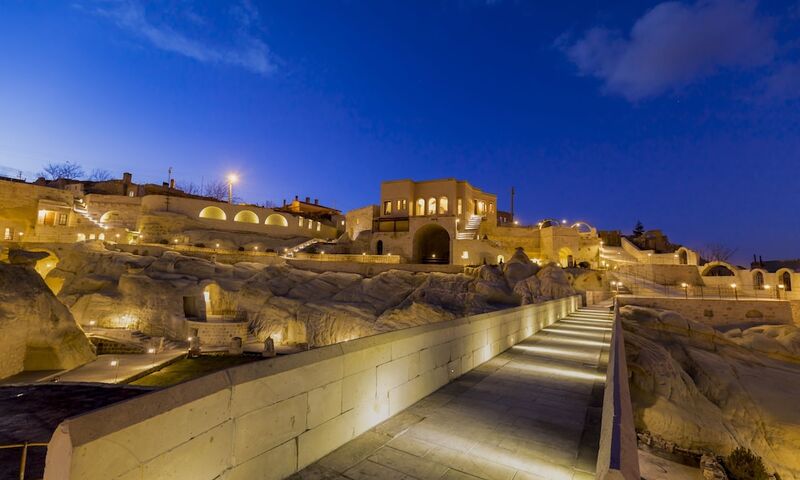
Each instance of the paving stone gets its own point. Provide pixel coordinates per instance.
(408, 464)
(316, 472)
(355, 451)
(368, 470)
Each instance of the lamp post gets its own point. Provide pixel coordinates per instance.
(232, 178)
(735, 291)
(685, 287)
(778, 291)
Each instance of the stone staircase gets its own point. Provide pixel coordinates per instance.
(299, 248)
(81, 209)
(470, 231)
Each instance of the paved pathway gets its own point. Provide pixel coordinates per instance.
(532, 412)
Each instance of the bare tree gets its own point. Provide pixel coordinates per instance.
(717, 252)
(100, 175)
(191, 188)
(217, 189)
(68, 170)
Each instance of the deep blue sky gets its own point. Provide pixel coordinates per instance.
(681, 114)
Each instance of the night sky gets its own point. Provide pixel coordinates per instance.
(684, 115)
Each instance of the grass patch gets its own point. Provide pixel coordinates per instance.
(190, 368)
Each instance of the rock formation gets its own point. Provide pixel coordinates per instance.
(708, 391)
(36, 330)
(157, 294)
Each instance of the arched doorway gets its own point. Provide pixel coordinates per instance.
(379, 247)
(683, 257)
(786, 279)
(718, 270)
(432, 245)
(565, 257)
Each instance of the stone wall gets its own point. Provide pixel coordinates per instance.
(271, 418)
(716, 312)
(342, 257)
(371, 269)
(217, 334)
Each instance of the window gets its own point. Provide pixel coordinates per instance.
(81, 237)
(403, 204)
(102, 236)
(443, 205)
(92, 236)
(310, 223)
(491, 207)
(301, 221)
(460, 206)
(431, 206)
(420, 206)
(62, 218)
(8, 234)
(131, 194)
(319, 226)
(387, 208)
(481, 207)
(465, 255)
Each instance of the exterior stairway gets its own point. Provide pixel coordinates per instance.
(80, 208)
(298, 248)
(470, 231)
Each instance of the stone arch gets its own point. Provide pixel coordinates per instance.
(420, 207)
(758, 279)
(718, 269)
(565, 257)
(501, 259)
(785, 279)
(582, 227)
(444, 205)
(431, 206)
(111, 217)
(213, 213)
(683, 256)
(432, 244)
(246, 216)
(547, 222)
(277, 220)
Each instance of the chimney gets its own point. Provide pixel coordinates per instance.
(127, 178)
(316, 201)
(171, 183)
(308, 199)
(296, 199)
(284, 202)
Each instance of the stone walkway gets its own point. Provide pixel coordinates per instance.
(532, 412)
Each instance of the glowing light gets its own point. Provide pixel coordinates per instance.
(564, 221)
(561, 352)
(684, 284)
(151, 350)
(733, 285)
(233, 178)
(255, 248)
(92, 322)
(572, 373)
(781, 286)
(767, 287)
(114, 363)
(217, 245)
(190, 338)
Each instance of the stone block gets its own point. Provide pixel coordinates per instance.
(203, 457)
(324, 403)
(266, 428)
(370, 414)
(265, 391)
(367, 358)
(275, 464)
(320, 441)
(392, 374)
(359, 388)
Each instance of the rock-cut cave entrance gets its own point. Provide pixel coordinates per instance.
(432, 245)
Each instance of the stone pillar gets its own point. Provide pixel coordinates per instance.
(236, 346)
(269, 348)
(194, 343)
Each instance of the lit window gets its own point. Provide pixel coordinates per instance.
(8, 234)
(319, 226)
(481, 207)
(102, 236)
(310, 223)
(460, 206)
(131, 194)
(404, 204)
(62, 218)
(81, 237)
(387, 208)
(420, 206)
(491, 207)
(443, 205)
(301, 222)
(431, 206)
(92, 236)
(465, 255)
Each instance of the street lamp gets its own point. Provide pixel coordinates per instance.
(232, 178)
(685, 287)
(735, 291)
(778, 292)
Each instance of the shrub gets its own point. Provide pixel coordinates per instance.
(742, 464)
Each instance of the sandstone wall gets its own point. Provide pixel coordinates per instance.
(269, 419)
(716, 312)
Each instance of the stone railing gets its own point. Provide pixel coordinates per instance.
(269, 419)
(618, 455)
(346, 257)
